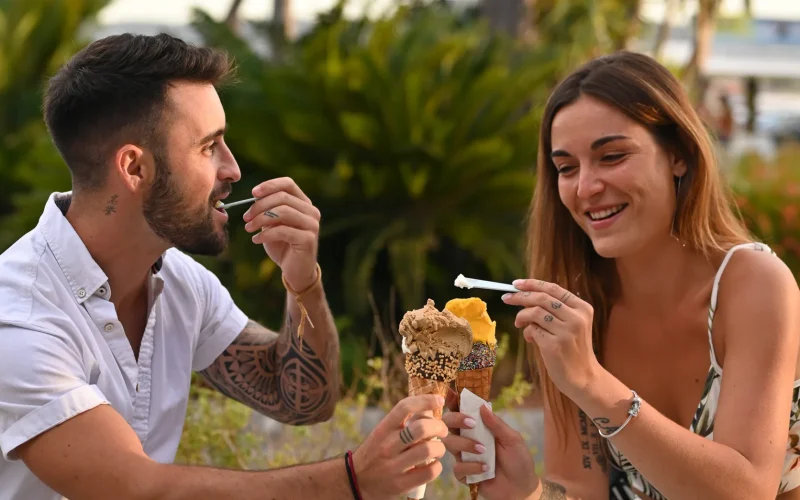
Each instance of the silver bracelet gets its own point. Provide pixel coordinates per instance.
(636, 403)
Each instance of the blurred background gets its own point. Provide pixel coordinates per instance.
(414, 127)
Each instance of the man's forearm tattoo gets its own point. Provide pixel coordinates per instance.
(276, 375)
(592, 446)
(552, 491)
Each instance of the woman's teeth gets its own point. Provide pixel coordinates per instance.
(603, 214)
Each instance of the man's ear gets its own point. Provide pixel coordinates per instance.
(134, 166)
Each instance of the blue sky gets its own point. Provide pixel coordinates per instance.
(178, 11)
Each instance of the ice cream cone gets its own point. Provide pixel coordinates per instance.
(418, 386)
(434, 342)
(475, 371)
(479, 382)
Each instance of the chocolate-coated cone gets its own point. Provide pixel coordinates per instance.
(479, 382)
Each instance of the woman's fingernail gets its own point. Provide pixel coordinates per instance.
(485, 468)
(480, 448)
(516, 282)
(506, 296)
(469, 422)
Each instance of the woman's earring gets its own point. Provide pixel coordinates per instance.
(677, 197)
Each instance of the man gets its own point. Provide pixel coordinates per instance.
(103, 318)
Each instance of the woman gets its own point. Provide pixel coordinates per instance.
(644, 279)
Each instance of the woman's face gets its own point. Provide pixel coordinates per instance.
(614, 178)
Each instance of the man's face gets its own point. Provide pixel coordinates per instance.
(194, 169)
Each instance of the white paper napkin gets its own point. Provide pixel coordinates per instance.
(470, 406)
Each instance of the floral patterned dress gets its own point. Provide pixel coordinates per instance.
(703, 421)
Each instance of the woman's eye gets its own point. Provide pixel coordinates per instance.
(565, 169)
(611, 158)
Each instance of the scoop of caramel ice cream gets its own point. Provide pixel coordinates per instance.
(434, 341)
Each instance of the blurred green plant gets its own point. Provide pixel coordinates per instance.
(36, 37)
(768, 195)
(414, 133)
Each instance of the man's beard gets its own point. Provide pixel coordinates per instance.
(173, 218)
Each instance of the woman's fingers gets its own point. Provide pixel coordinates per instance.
(456, 420)
(539, 316)
(463, 469)
(456, 444)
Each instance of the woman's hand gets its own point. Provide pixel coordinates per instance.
(561, 325)
(515, 478)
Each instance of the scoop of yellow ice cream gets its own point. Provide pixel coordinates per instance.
(473, 310)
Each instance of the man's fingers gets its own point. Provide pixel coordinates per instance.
(416, 431)
(284, 215)
(419, 475)
(280, 184)
(420, 454)
(286, 234)
(410, 405)
(281, 198)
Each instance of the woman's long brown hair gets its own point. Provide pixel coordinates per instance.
(706, 218)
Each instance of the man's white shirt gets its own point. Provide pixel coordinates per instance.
(63, 350)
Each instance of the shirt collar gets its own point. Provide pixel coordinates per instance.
(82, 272)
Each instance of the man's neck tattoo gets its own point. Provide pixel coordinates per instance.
(111, 206)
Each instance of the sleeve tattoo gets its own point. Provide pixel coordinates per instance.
(276, 375)
(592, 447)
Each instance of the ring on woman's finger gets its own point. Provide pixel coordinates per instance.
(405, 436)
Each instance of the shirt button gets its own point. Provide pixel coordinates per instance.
(109, 327)
(81, 293)
(101, 291)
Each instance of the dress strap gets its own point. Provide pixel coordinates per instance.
(715, 291)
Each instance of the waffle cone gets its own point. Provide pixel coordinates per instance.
(479, 382)
(418, 386)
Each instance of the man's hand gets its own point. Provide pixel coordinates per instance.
(515, 478)
(393, 460)
(288, 226)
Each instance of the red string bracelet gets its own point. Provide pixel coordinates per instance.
(351, 475)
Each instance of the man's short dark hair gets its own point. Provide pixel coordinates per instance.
(114, 92)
